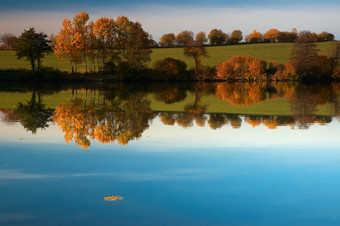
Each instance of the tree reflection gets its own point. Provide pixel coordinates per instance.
(105, 120)
(33, 115)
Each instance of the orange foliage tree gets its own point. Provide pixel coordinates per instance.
(242, 68)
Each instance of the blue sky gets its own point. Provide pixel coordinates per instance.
(175, 15)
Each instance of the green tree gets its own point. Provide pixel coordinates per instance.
(33, 115)
(34, 47)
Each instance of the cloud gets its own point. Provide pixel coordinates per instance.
(160, 19)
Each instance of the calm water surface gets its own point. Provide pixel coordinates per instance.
(189, 154)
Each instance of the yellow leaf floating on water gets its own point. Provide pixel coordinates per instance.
(113, 198)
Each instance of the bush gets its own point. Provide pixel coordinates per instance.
(242, 68)
(285, 72)
(204, 73)
(322, 67)
(171, 68)
(110, 67)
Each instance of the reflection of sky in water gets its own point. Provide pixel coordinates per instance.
(160, 135)
(172, 175)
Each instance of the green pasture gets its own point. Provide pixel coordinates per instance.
(280, 106)
(216, 54)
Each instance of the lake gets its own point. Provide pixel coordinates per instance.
(170, 154)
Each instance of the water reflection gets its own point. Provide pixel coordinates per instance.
(121, 113)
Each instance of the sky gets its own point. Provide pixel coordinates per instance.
(173, 16)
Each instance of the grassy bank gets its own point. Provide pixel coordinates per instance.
(216, 54)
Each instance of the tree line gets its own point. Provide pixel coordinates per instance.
(218, 37)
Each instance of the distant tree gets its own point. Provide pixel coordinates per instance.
(217, 37)
(197, 51)
(325, 36)
(201, 37)
(287, 36)
(271, 35)
(53, 40)
(9, 41)
(167, 40)
(303, 53)
(153, 43)
(254, 37)
(34, 47)
(235, 37)
(184, 37)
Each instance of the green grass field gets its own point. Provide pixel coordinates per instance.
(268, 51)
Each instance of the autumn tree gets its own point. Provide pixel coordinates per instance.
(122, 26)
(184, 37)
(167, 40)
(217, 37)
(303, 53)
(137, 46)
(105, 31)
(254, 37)
(80, 33)
(197, 51)
(65, 48)
(9, 41)
(235, 37)
(53, 40)
(201, 37)
(271, 35)
(34, 47)
(325, 36)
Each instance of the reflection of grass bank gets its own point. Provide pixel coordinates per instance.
(268, 51)
(280, 106)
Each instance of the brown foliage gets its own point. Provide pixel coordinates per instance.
(197, 51)
(170, 67)
(167, 40)
(217, 37)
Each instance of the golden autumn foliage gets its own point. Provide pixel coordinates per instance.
(120, 121)
(271, 35)
(245, 94)
(254, 37)
(102, 43)
(242, 68)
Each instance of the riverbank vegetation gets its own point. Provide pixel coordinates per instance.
(119, 49)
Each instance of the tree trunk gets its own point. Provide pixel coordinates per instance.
(85, 62)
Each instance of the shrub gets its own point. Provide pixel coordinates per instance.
(204, 73)
(170, 67)
(285, 72)
(242, 68)
(110, 67)
(322, 67)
